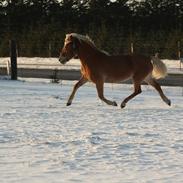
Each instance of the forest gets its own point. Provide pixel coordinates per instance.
(39, 26)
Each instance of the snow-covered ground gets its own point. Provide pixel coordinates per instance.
(43, 141)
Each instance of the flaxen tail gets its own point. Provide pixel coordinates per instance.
(159, 68)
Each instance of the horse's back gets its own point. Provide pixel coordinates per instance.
(141, 64)
(129, 62)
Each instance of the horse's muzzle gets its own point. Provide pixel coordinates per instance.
(63, 60)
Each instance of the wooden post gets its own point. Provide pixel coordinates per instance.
(131, 48)
(179, 53)
(181, 62)
(8, 67)
(178, 50)
(49, 49)
(13, 58)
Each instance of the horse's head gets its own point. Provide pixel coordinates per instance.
(69, 49)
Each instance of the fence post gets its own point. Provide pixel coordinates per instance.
(131, 48)
(178, 49)
(49, 48)
(8, 67)
(179, 54)
(13, 58)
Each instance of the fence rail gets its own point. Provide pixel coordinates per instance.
(173, 79)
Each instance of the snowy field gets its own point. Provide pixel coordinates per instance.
(43, 141)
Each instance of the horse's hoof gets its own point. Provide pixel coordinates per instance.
(115, 104)
(68, 104)
(169, 102)
(123, 105)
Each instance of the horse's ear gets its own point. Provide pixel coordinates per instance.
(71, 37)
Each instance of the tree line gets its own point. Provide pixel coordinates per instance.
(39, 26)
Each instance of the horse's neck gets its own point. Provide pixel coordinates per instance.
(87, 53)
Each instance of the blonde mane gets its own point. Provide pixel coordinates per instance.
(83, 38)
(86, 39)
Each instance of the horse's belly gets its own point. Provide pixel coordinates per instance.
(117, 77)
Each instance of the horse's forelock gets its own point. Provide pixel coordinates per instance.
(67, 39)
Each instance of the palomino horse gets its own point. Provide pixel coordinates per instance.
(100, 67)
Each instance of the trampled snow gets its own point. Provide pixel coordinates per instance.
(43, 141)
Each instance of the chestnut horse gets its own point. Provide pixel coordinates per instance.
(100, 67)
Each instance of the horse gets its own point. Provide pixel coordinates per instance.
(99, 67)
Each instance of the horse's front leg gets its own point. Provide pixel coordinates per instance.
(100, 91)
(81, 82)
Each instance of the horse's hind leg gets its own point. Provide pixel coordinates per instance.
(81, 82)
(137, 90)
(100, 91)
(153, 83)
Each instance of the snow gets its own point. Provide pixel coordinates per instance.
(43, 141)
(38, 62)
